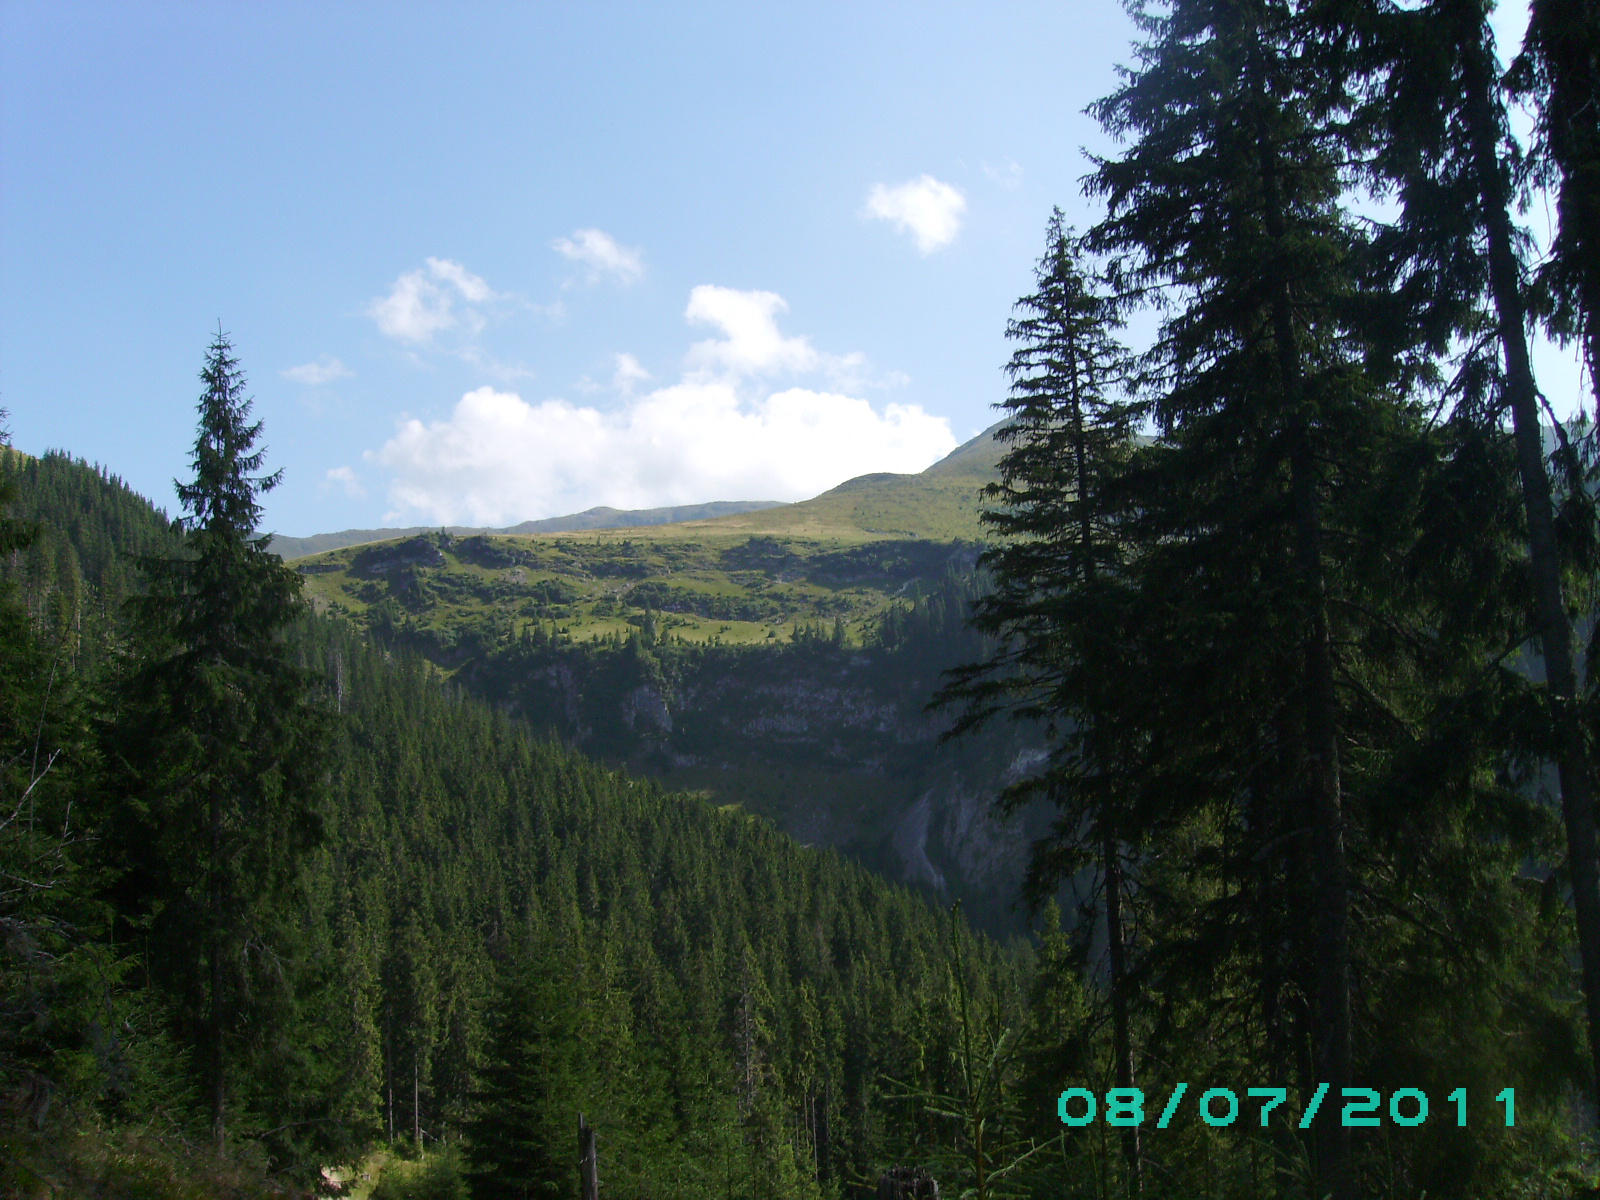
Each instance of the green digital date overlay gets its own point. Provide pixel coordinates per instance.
(1219, 1106)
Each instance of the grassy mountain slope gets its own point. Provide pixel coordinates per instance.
(978, 458)
(715, 585)
(591, 518)
(740, 578)
(940, 503)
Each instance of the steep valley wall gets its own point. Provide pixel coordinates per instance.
(832, 744)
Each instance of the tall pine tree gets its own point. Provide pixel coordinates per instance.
(221, 745)
(1439, 102)
(1226, 203)
(1055, 609)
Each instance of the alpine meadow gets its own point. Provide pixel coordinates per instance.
(1183, 789)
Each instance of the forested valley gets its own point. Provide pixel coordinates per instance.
(1276, 641)
(485, 933)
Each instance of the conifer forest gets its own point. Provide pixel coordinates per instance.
(368, 873)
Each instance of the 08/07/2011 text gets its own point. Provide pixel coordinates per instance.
(1219, 1106)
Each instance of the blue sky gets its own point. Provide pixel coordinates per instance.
(487, 263)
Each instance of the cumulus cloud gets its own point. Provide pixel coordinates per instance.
(315, 374)
(924, 207)
(499, 459)
(439, 296)
(713, 435)
(751, 343)
(599, 251)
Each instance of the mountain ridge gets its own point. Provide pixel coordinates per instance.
(599, 517)
(886, 496)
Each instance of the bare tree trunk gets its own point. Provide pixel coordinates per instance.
(823, 1149)
(218, 1019)
(388, 1070)
(588, 1160)
(1121, 1042)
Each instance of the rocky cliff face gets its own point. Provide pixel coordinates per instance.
(833, 744)
(956, 817)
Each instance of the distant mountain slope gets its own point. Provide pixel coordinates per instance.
(319, 543)
(617, 518)
(940, 502)
(979, 458)
(848, 554)
(592, 518)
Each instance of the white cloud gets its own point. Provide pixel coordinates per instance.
(926, 208)
(628, 375)
(424, 302)
(600, 252)
(752, 344)
(498, 458)
(347, 479)
(464, 281)
(314, 374)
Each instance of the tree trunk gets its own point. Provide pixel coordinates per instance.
(1110, 858)
(388, 1070)
(1555, 631)
(1333, 1049)
(588, 1161)
(1556, 634)
(1121, 1042)
(1268, 917)
(217, 1022)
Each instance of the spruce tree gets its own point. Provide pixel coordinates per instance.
(522, 1136)
(221, 740)
(37, 850)
(1224, 208)
(1439, 102)
(1053, 610)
